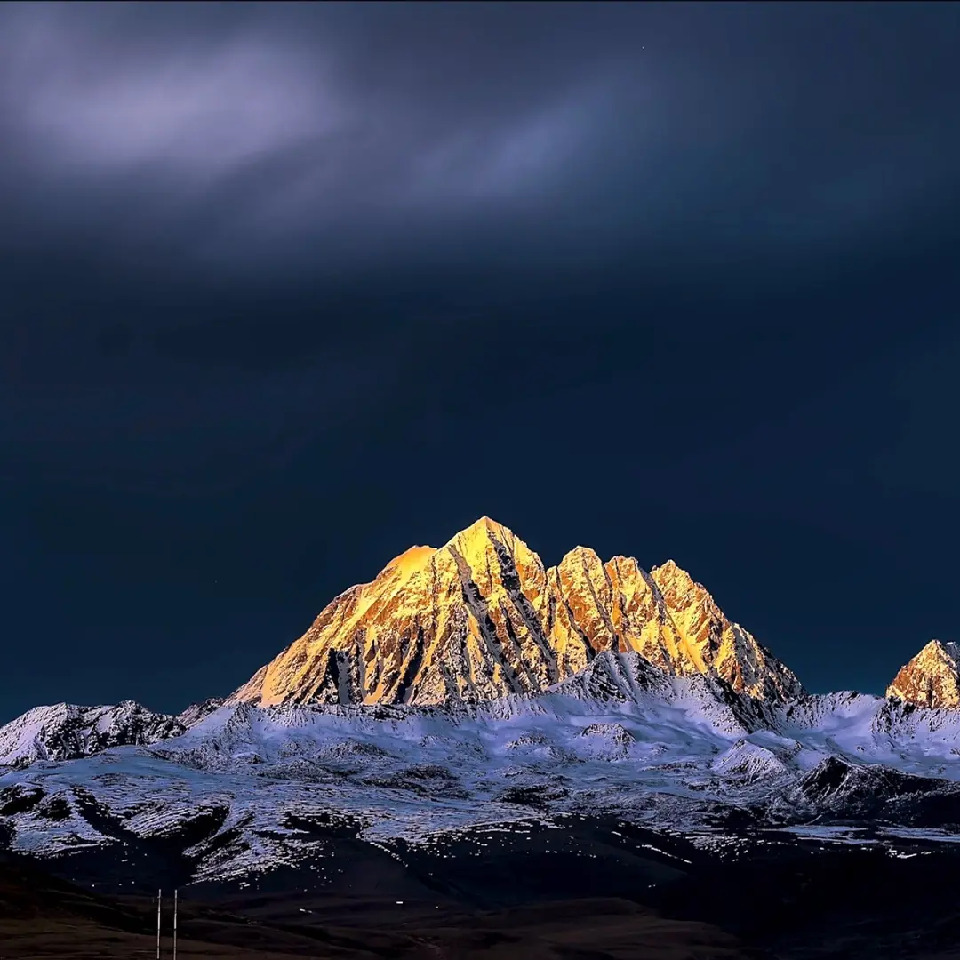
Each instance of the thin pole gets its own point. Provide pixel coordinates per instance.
(174, 925)
(159, 895)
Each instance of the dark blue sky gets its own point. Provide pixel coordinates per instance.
(288, 288)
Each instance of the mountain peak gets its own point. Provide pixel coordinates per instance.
(411, 561)
(65, 731)
(487, 522)
(931, 678)
(482, 618)
(671, 572)
(482, 529)
(938, 648)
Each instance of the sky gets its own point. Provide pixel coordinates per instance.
(287, 288)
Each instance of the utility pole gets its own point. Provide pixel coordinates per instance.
(174, 925)
(159, 896)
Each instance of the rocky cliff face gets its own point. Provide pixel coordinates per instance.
(931, 678)
(481, 618)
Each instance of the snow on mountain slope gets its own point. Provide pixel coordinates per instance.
(65, 731)
(197, 711)
(481, 618)
(467, 688)
(247, 790)
(865, 729)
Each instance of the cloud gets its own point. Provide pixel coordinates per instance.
(239, 139)
(239, 133)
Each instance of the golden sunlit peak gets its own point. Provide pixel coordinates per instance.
(946, 652)
(487, 522)
(481, 617)
(670, 576)
(931, 678)
(671, 569)
(483, 527)
(410, 561)
(579, 553)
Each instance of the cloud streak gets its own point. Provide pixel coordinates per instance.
(288, 137)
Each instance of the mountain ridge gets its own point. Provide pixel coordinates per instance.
(482, 617)
(571, 612)
(467, 692)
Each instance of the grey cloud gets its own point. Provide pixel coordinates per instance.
(278, 137)
(254, 119)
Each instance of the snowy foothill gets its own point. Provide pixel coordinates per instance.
(246, 789)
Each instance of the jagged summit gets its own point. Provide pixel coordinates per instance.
(931, 678)
(481, 618)
(482, 528)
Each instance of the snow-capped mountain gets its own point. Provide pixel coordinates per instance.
(65, 731)
(482, 618)
(469, 690)
(931, 678)
(249, 790)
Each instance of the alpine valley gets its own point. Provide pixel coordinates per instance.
(474, 727)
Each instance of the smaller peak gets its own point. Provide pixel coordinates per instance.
(941, 649)
(47, 708)
(931, 678)
(671, 570)
(625, 566)
(410, 561)
(580, 553)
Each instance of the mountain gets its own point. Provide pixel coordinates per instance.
(250, 794)
(65, 731)
(931, 678)
(481, 618)
(470, 698)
